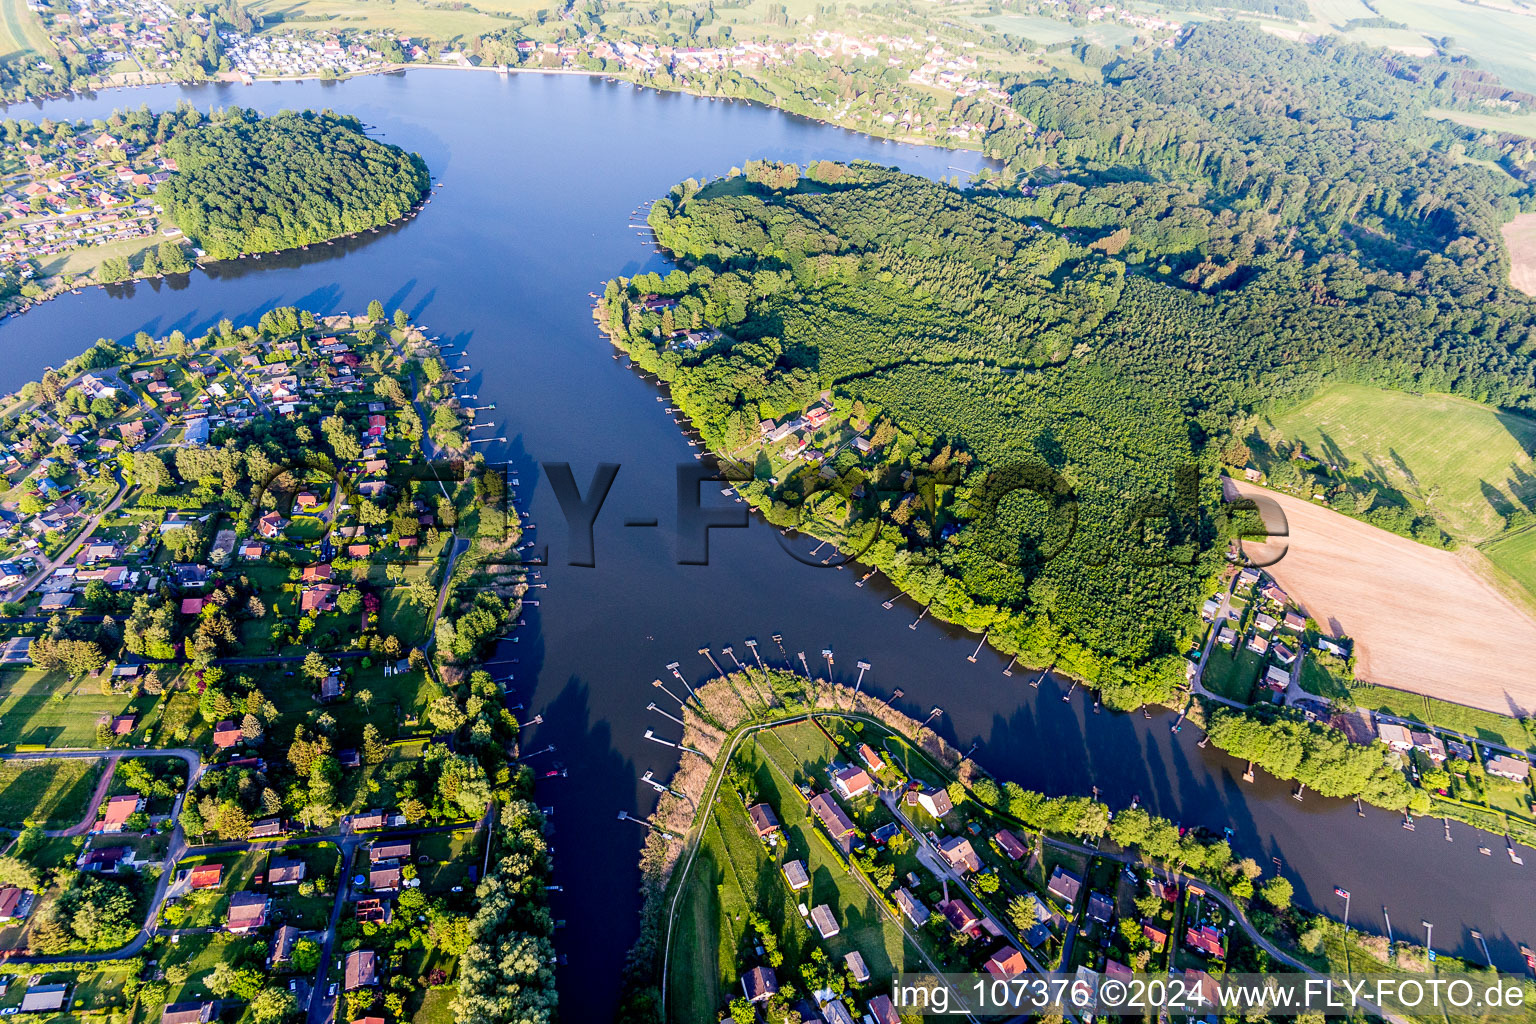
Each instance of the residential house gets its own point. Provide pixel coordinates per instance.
(763, 820)
(759, 985)
(935, 801)
(16, 651)
(796, 875)
(367, 820)
(1507, 767)
(285, 871)
(1064, 885)
(389, 849)
(1100, 908)
(118, 810)
(1155, 935)
(1264, 623)
(269, 525)
(123, 725)
(1283, 654)
(912, 907)
(247, 912)
(1431, 744)
(1277, 678)
(187, 1013)
(1207, 940)
(870, 758)
(824, 920)
(361, 970)
(384, 877)
(1459, 749)
(960, 916)
(835, 1012)
(1295, 622)
(10, 903)
(44, 999)
(1227, 637)
(852, 782)
(226, 735)
(266, 828)
(957, 850)
(1395, 736)
(205, 876)
(881, 1009)
(837, 823)
(856, 966)
(1007, 962)
(107, 859)
(1258, 645)
(282, 945)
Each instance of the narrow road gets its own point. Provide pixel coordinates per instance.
(74, 546)
(86, 822)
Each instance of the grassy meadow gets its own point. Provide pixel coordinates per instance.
(53, 793)
(1468, 463)
(21, 32)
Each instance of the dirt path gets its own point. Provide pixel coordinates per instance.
(94, 810)
(1421, 618)
(1520, 237)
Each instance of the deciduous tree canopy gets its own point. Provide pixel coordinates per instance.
(249, 184)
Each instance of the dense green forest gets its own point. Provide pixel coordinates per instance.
(1051, 373)
(248, 184)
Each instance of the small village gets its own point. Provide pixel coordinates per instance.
(883, 863)
(225, 677)
(1262, 648)
(73, 192)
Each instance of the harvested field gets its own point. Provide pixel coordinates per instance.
(1520, 236)
(1421, 618)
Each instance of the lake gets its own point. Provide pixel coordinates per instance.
(540, 175)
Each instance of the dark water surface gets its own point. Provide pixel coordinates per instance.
(540, 176)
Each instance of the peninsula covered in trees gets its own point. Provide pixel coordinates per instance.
(1032, 389)
(248, 184)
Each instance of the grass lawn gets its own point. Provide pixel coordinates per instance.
(86, 259)
(436, 1006)
(51, 709)
(1325, 676)
(1231, 673)
(54, 793)
(1437, 450)
(449, 858)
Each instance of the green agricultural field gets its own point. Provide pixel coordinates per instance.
(1499, 39)
(404, 16)
(1467, 462)
(1520, 124)
(55, 793)
(1516, 556)
(21, 32)
(1484, 725)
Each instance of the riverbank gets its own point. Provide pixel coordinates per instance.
(801, 731)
